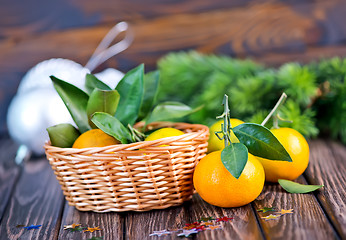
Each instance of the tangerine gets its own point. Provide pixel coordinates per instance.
(94, 138)
(216, 185)
(214, 143)
(297, 147)
(163, 133)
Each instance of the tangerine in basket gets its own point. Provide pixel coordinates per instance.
(94, 138)
(297, 147)
(216, 185)
(214, 143)
(163, 133)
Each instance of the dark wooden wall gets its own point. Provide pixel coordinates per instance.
(271, 32)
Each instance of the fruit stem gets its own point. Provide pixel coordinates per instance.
(136, 135)
(274, 110)
(226, 126)
(275, 122)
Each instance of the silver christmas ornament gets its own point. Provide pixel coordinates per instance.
(110, 76)
(67, 70)
(31, 112)
(37, 105)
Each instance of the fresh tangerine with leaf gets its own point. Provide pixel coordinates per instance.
(214, 143)
(94, 138)
(216, 185)
(297, 147)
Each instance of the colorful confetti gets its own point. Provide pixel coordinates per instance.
(271, 217)
(92, 229)
(190, 226)
(207, 223)
(223, 219)
(160, 233)
(76, 229)
(214, 227)
(200, 228)
(266, 209)
(187, 233)
(33, 227)
(204, 223)
(71, 226)
(283, 211)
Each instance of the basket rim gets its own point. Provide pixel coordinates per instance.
(201, 128)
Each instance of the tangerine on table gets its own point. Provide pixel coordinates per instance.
(94, 138)
(297, 147)
(216, 185)
(214, 143)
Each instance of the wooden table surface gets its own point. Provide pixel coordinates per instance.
(270, 32)
(31, 195)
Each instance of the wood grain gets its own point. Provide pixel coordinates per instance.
(83, 13)
(111, 224)
(269, 31)
(37, 200)
(9, 171)
(308, 220)
(69, 14)
(139, 225)
(328, 167)
(243, 226)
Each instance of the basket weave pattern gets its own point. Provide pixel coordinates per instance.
(131, 177)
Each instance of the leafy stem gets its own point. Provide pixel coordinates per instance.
(226, 126)
(254, 138)
(136, 135)
(235, 155)
(274, 111)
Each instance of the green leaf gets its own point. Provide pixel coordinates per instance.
(293, 187)
(75, 100)
(92, 82)
(63, 135)
(261, 142)
(151, 85)
(130, 89)
(266, 209)
(168, 111)
(112, 126)
(102, 101)
(234, 158)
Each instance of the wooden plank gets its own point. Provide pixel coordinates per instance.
(139, 225)
(308, 220)
(9, 171)
(111, 224)
(250, 30)
(37, 200)
(89, 13)
(327, 167)
(243, 226)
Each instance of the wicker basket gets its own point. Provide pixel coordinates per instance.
(131, 177)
